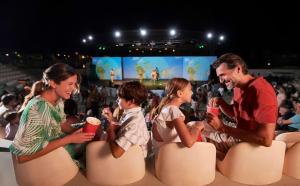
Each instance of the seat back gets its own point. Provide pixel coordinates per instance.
(104, 169)
(254, 164)
(179, 165)
(7, 174)
(53, 169)
(2, 132)
(290, 138)
(292, 161)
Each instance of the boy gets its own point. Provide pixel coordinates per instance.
(132, 128)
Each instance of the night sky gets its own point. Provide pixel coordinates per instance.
(50, 26)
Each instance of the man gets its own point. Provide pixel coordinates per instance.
(254, 107)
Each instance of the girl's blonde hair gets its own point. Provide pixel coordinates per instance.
(171, 89)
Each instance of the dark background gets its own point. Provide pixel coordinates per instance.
(260, 31)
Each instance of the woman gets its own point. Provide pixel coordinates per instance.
(40, 125)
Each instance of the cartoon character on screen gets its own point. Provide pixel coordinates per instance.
(112, 75)
(140, 72)
(192, 72)
(154, 75)
(157, 73)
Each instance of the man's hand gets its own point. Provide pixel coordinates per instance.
(79, 137)
(215, 102)
(214, 121)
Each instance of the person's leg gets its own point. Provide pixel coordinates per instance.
(222, 141)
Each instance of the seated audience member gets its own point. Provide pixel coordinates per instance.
(39, 131)
(293, 121)
(9, 103)
(11, 128)
(131, 129)
(169, 121)
(254, 107)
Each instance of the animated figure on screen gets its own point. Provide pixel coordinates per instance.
(112, 75)
(157, 73)
(141, 72)
(154, 75)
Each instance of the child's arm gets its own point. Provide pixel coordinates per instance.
(116, 150)
(281, 121)
(188, 136)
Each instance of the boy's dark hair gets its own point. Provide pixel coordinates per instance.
(9, 116)
(7, 98)
(232, 60)
(133, 90)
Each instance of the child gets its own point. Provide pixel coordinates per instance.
(13, 123)
(132, 128)
(168, 120)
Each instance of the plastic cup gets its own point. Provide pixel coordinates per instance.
(213, 110)
(191, 123)
(91, 125)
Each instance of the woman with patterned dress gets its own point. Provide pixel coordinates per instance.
(40, 125)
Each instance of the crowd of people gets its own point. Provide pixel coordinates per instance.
(251, 109)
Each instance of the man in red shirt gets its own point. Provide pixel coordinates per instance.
(254, 106)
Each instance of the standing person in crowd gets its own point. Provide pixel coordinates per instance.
(254, 107)
(131, 129)
(168, 120)
(40, 125)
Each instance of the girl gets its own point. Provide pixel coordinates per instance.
(40, 125)
(168, 120)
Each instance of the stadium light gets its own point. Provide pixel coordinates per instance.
(209, 35)
(172, 32)
(117, 34)
(90, 37)
(222, 38)
(84, 40)
(143, 32)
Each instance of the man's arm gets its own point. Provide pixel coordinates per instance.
(226, 108)
(263, 135)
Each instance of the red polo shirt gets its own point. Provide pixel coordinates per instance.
(255, 104)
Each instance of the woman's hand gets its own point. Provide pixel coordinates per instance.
(79, 137)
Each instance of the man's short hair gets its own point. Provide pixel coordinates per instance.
(7, 98)
(232, 60)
